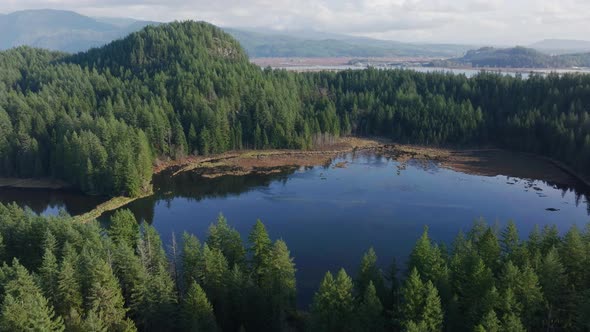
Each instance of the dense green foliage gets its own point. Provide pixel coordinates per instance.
(59, 275)
(100, 119)
(517, 57)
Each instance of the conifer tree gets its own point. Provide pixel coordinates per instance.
(228, 240)
(370, 311)
(197, 311)
(370, 273)
(105, 297)
(260, 248)
(124, 228)
(413, 298)
(432, 312)
(69, 295)
(489, 323)
(24, 308)
(191, 259)
(49, 268)
(333, 303)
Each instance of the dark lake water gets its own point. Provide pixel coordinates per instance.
(330, 216)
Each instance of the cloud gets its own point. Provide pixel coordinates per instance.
(470, 21)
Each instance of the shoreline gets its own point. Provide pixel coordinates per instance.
(32, 183)
(476, 161)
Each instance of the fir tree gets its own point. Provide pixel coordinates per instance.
(197, 311)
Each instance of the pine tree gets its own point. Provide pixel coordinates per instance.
(511, 323)
(530, 295)
(228, 240)
(333, 303)
(489, 249)
(413, 298)
(191, 259)
(24, 307)
(260, 248)
(93, 323)
(132, 275)
(490, 322)
(69, 295)
(105, 297)
(370, 273)
(197, 311)
(370, 311)
(124, 228)
(510, 241)
(427, 259)
(49, 269)
(574, 257)
(432, 312)
(552, 279)
(280, 281)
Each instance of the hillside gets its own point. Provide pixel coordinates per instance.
(516, 57)
(103, 116)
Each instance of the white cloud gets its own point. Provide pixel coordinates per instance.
(469, 21)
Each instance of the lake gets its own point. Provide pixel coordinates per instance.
(329, 216)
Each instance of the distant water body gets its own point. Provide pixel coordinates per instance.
(458, 71)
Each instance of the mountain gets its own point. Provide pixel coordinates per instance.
(267, 43)
(60, 30)
(562, 46)
(516, 57)
(71, 32)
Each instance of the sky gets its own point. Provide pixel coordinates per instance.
(497, 22)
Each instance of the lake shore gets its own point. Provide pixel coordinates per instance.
(30, 183)
(481, 161)
(245, 162)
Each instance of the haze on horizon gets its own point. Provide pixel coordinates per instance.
(500, 22)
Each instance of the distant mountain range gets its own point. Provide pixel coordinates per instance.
(60, 30)
(516, 57)
(71, 32)
(261, 43)
(562, 46)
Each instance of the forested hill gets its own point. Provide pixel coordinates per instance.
(99, 119)
(517, 57)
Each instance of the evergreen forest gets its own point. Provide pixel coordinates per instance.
(99, 120)
(62, 275)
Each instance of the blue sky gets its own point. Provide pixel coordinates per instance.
(468, 21)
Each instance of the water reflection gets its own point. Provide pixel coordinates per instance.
(330, 215)
(49, 201)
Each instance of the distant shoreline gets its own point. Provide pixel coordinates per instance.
(410, 63)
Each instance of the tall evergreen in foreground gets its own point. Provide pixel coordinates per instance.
(59, 275)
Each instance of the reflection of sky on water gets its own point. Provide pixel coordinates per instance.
(330, 216)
